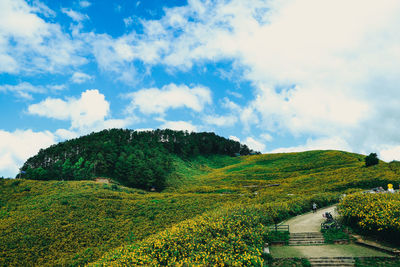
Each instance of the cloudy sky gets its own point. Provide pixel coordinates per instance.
(278, 75)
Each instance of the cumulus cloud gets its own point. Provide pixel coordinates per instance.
(234, 138)
(80, 77)
(390, 153)
(172, 96)
(319, 69)
(16, 147)
(88, 113)
(179, 126)
(220, 121)
(30, 44)
(324, 143)
(254, 144)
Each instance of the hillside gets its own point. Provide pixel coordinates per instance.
(212, 204)
(136, 159)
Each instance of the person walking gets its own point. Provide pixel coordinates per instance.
(314, 207)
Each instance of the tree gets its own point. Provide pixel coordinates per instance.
(371, 159)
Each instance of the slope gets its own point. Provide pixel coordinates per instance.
(75, 222)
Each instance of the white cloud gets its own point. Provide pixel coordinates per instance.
(128, 21)
(64, 134)
(30, 44)
(179, 126)
(84, 4)
(16, 147)
(88, 113)
(234, 138)
(220, 121)
(172, 96)
(22, 90)
(254, 144)
(80, 77)
(325, 143)
(319, 69)
(266, 137)
(74, 15)
(390, 153)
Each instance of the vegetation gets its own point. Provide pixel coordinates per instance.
(373, 213)
(377, 262)
(334, 234)
(135, 159)
(214, 207)
(72, 223)
(371, 159)
(278, 236)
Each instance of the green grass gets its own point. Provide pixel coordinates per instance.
(377, 262)
(350, 250)
(73, 223)
(70, 223)
(333, 234)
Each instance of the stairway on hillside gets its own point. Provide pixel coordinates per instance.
(332, 261)
(307, 238)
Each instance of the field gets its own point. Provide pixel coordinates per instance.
(373, 214)
(214, 210)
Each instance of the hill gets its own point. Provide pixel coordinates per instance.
(136, 159)
(219, 201)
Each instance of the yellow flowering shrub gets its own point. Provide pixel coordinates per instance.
(372, 212)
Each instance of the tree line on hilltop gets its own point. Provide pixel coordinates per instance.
(136, 159)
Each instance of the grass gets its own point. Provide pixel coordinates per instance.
(73, 223)
(350, 250)
(377, 262)
(333, 234)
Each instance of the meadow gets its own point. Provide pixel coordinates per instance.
(214, 210)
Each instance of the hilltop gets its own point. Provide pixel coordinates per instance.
(76, 222)
(136, 159)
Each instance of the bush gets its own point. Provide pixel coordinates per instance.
(331, 235)
(371, 159)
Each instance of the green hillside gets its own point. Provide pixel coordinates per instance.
(213, 208)
(136, 159)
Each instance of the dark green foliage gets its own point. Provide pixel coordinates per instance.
(371, 159)
(333, 234)
(277, 236)
(136, 159)
(378, 262)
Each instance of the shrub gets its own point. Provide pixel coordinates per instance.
(371, 159)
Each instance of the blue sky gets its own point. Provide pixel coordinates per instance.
(278, 75)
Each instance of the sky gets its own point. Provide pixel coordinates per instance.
(277, 75)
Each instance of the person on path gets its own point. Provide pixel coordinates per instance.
(314, 207)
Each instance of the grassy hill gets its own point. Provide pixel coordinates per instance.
(213, 208)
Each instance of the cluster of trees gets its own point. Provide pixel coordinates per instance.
(136, 159)
(371, 159)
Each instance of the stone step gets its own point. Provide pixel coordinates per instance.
(307, 238)
(306, 234)
(305, 243)
(332, 261)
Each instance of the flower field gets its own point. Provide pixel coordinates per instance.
(373, 212)
(213, 211)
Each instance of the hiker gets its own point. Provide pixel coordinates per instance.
(314, 207)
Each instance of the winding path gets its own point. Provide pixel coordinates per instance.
(309, 222)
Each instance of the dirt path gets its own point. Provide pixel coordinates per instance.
(309, 222)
